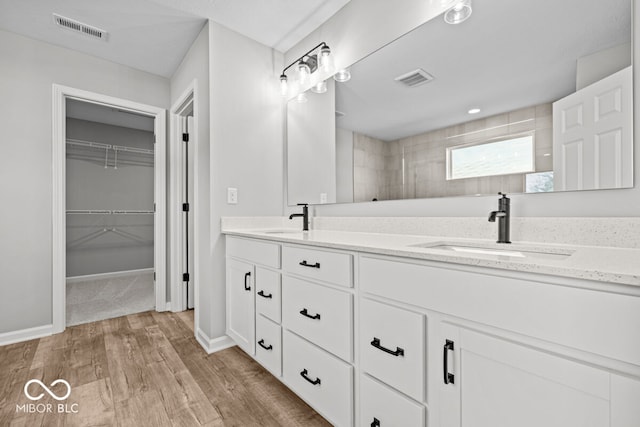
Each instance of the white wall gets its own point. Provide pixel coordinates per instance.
(195, 65)
(363, 26)
(311, 143)
(28, 69)
(344, 165)
(246, 143)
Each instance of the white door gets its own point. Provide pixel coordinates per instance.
(593, 135)
(496, 383)
(240, 304)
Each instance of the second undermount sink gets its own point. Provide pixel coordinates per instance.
(514, 252)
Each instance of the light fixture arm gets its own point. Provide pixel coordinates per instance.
(301, 58)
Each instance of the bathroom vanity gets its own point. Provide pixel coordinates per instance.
(399, 330)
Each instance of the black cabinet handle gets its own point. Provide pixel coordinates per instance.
(375, 422)
(246, 276)
(397, 352)
(448, 377)
(306, 264)
(305, 313)
(262, 294)
(261, 344)
(304, 374)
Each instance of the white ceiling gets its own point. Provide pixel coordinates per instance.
(154, 35)
(503, 58)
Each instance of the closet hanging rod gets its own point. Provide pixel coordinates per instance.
(91, 144)
(107, 212)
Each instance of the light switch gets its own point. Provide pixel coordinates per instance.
(232, 196)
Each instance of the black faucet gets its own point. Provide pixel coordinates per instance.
(504, 216)
(304, 215)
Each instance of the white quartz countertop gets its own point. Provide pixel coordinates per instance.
(601, 264)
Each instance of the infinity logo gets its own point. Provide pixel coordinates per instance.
(47, 389)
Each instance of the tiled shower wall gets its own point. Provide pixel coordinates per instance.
(415, 167)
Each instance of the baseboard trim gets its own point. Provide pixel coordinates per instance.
(13, 337)
(212, 345)
(110, 275)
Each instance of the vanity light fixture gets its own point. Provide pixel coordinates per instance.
(342, 76)
(306, 65)
(302, 98)
(459, 13)
(474, 111)
(320, 87)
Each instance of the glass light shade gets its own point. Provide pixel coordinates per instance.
(342, 76)
(460, 12)
(320, 87)
(302, 98)
(284, 86)
(303, 72)
(325, 60)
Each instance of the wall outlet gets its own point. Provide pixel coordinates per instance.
(323, 198)
(232, 196)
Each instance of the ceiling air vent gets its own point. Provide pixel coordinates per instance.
(414, 78)
(79, 27)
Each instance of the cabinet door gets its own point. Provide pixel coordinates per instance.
(490, 382)
(241, 304)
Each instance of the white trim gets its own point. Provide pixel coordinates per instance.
(213, 345)
(99, 276)
(60, 95)
(25, 334)
(178, 292)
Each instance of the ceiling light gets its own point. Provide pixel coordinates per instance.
(342, 76)
(302, 97)
(459, 13)
(320, 87)
(474, 111)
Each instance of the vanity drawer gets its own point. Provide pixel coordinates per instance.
(255, 251)
(392, 347)
(332, 267)
(323, 380)
(268, 296)
(319, 314)
(269, 344)
(390, 408)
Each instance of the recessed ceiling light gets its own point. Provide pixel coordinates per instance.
(474, 111)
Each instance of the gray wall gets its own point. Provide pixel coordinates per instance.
(195, 65)
(28, 70)
(344, 165)
(246, 144)
(363, 26)
(92, 186)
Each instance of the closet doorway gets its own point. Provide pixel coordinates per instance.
(109, 198)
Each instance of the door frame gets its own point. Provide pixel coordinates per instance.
(183, 102)
(60, 95)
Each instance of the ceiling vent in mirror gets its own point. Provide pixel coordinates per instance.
(414, 78)
(79, 27)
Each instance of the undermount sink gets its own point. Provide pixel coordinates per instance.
(514, 252)
(282, 232)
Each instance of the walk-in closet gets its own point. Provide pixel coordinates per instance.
(109, 212)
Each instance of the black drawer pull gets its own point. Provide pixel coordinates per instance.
(246, 276)
(261, 344)
(397, 352)
(375, 423)
(448, 377)
(305, 313)
(304, 374)
(306, 264)
(262, 294)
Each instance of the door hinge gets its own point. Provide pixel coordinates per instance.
(185, 277)
(185, 137)
(154, 276)
(154, 208)
(185, 207)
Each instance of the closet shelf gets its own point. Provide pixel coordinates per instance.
(107, 212)
(101, 146)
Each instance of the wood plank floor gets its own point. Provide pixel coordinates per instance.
(144, 369)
